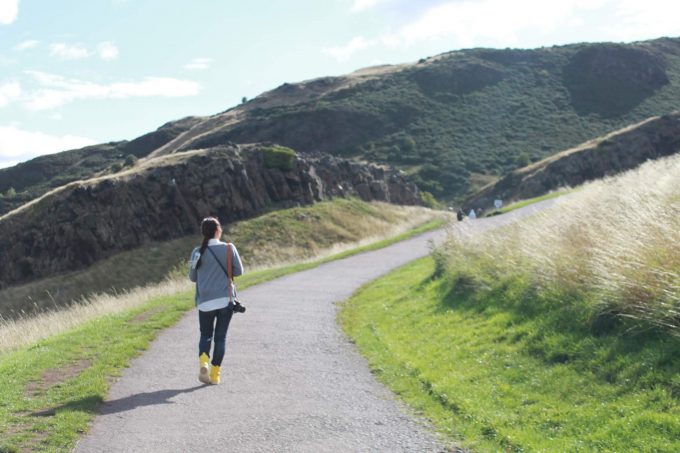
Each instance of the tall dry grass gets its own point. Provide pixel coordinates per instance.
(301, 236)
(34, 327)
(617, 242)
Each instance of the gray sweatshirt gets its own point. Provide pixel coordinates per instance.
(212, 292)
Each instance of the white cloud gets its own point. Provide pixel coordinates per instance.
(8, 163)
(68, 52)
(29, 44)
(522, 23)
(18, 145)
(199, 64)
(107, 51)
(490, 22)
(344, 53)
(9, 92)
(8, 11)
(637, 20)
(362, 5)
(56, 90)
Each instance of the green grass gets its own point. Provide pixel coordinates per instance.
(498, 366)
(527, 202)
(279, 157)
(74, 401)
(71, 404)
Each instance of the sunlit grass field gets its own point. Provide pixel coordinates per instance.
(494, 375)
(558, 333)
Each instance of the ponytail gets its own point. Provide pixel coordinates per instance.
(208, 228)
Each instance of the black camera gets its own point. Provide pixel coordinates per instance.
(238, 308)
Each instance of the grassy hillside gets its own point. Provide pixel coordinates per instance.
(556, 334)
(454, 122)
(614, 153)
(451, 118)
(281, 236)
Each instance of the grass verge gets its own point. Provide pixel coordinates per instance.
(502, 367)
(51, 390)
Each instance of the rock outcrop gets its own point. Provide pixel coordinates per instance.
(619, 151)
(165, 198)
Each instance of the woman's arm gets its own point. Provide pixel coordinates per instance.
(236, 264)
(193, 259)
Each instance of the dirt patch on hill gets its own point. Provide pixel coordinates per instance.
(55, 376)
(145, 315)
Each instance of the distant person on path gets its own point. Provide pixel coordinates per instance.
(460, 215)
(215, 295)
(472, 214)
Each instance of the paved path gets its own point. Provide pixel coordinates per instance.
(291, 379)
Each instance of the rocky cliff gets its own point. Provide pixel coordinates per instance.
(165, 198)
(619, 151)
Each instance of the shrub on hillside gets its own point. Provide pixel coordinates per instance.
(279, 157)
(429, 200)
(130, 160)
(408, 144)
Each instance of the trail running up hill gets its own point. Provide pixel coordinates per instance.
(291, 380)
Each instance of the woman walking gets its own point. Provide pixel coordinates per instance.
(215, 294)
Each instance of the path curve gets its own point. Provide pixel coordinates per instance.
(291, 380)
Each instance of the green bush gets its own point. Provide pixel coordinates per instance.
(11, 192)
(429, 200)
(408, 144)
(116, 167)
(522, 160)
(279, 157)
(130, 160)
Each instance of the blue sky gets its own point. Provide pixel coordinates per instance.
(74, 73)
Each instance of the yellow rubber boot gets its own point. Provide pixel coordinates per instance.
(203, 363)
(215, 375)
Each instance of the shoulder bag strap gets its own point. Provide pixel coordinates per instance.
(229, 269)
(230, 277)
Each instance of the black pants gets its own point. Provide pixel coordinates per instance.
(214, 324)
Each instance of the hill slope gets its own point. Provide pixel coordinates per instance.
(455, 121)
(282, 236)
(81, 223)
(616, 152)
(34, 178)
